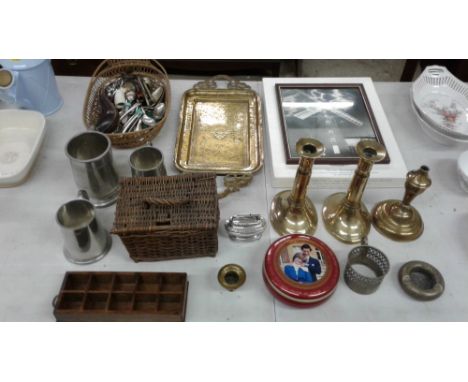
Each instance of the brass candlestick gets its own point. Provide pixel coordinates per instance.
(397, 219)
(292, 211)
(344, 215)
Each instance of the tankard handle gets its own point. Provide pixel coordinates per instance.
(83, 194)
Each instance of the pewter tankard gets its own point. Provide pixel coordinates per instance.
(84, 239)
(147, 161)
(93, 170)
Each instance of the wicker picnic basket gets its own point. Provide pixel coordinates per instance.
(107, 72)
(168, 217)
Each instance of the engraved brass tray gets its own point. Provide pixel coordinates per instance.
(220, 129)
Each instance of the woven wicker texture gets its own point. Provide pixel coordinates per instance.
(168, 217)
(108, 71)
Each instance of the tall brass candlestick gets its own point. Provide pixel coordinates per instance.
(344, 214)
(397, 219)
(292, 211)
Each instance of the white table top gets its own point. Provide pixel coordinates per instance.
(32, 264)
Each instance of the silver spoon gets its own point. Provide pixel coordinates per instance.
(157, 94)
(130, 110)
(145, 91)
(159, 110)
(147, 120)
(131, 123)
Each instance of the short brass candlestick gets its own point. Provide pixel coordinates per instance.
(397, 219)
(292, 211)
(344, 214)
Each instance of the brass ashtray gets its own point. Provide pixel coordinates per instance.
(231, 276)
(421, 280)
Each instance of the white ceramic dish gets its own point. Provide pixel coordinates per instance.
(434, 126)
(442, 99)
(435, 134)
(21, 136)
(462, 170)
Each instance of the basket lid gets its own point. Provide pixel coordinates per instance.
(301, 270)
(166, 203)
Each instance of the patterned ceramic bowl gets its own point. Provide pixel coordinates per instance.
(441, 101)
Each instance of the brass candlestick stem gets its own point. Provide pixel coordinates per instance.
(344, 214)
(397, 219)
(292, 211)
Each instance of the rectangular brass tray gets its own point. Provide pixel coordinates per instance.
(220, 130)
(122, 296)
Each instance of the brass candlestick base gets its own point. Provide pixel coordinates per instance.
(345, 216)
(347, 222)
(292, 211)
(397, 219)
(286, 220)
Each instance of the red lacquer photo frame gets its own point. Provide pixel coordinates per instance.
(301, 270)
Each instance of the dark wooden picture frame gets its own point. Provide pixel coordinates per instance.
(335, 120)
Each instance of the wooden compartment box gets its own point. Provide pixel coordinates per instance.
(122, 296)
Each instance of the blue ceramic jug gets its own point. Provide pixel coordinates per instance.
(30, 84)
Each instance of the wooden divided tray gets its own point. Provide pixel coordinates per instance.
(122, 296)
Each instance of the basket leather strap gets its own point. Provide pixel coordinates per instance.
(165, 202)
